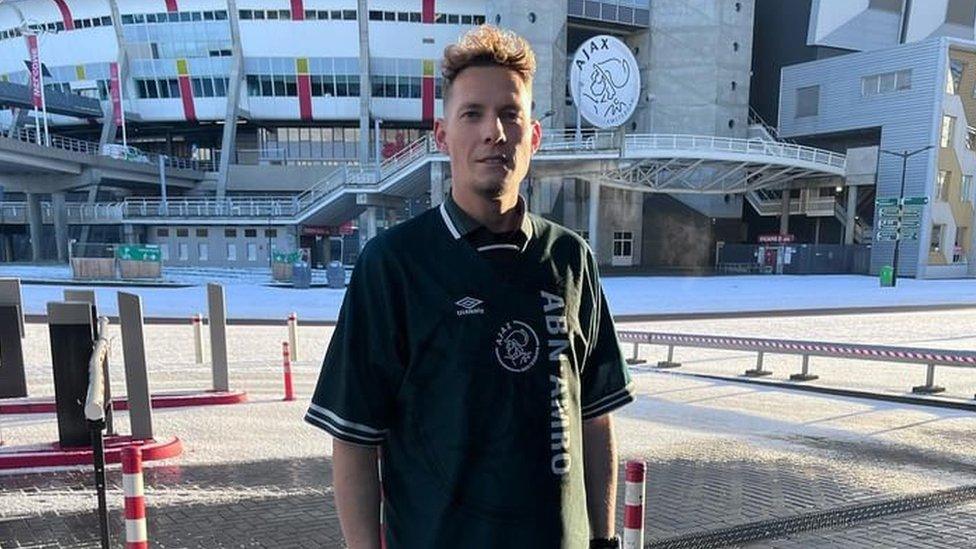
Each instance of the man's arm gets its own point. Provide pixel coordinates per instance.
(600, 472)
(357, 493)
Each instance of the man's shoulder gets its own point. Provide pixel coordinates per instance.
(558, 239)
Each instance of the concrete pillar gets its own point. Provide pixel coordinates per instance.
(362, 15)
(594, 219)
(367, 225)
(851, 213)
(35, 224)
(784, 213)
(60, 214)
(228, 140)
(129, 234)
(816, 231)
(438, 184)
(8, 247)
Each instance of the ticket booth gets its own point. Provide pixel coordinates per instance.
(774, 252)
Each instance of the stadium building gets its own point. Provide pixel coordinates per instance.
(252, 126)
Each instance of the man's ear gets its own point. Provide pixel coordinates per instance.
(536, 135)
(440, 136)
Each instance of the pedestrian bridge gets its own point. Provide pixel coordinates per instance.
(644, 162)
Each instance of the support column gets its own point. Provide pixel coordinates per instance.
(228, 139)
(35, 224)
(438, 184)
(851, 213)
(129, 233)
(594, 219)
(367, 226)
(784, 213)
(362, 14)
(816, 231)
(60, 214)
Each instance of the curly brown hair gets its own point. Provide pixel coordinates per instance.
(487, 45)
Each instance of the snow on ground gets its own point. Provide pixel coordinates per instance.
(248, 296)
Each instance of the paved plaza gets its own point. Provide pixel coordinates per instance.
(722, 456)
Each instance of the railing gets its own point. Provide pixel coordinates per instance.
(655, 142)
(557, 141)
(91, 148)
(281, 156)
(262, 207)
(76, 212)
(878, 353)
(769, 202)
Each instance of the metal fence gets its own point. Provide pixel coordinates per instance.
(799, 259)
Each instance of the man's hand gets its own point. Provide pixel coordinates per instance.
(357, 493)
(600, 471)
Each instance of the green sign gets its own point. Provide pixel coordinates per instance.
(909, 234)
(912, 211)
(138, 252)
(886, 236)
(915, 200)
(886, 202)
(883, 223)
(888, 211)
(284, 257)
(910, 224)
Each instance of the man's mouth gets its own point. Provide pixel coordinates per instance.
(494, 160)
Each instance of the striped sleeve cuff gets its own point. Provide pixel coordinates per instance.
(608, 403)
(343, 429)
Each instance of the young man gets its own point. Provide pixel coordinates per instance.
(476, 349)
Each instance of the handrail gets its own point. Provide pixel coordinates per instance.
(639, 142)
(878, 353)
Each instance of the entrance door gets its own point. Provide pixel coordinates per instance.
(335, 248)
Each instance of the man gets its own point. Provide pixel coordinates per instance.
(476, 349)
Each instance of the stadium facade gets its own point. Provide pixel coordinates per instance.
(278, 125)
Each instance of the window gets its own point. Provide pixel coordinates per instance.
(886, 82)
(250, 233)
(807, 101)
(203, 251)
(375, 15)
(948, 125)
(232, 252)
(162, 233)
(271, 233)
(942, 185)
(623, 244)
(230, 233)
(959, 250)
(201, 233)
(966, 193)
(348, 15)
(184, 251)
(182, 233)
(954, 78)
(935, 243)
(252, 251)
(246, 14)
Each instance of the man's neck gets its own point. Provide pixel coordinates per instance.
(498, 215)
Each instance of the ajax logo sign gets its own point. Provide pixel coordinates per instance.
(605, 81)
(516, 346)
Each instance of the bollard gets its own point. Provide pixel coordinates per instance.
(293, 335)
(634, 506)
(669, 363)
(286, 360)
(804, 374)
(930, 388)
(136, 534)
(198, 337)
(758, 371)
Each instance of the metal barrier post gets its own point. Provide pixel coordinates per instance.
(136, 534)
(218, 336)
(669, 363)
(930, 388)
(758, 370)
(634, 505)
(95, 406)
(134, 356)
(804, 374)
(286, 363)
(13, 378)
(198, 337)
(293, 335)
(70, 328)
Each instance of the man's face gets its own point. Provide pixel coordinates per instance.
(487, 131)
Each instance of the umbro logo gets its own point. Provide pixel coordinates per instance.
(469, 306)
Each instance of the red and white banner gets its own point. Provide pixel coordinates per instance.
(115, 91)
(35, 70)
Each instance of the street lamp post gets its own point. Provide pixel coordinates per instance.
(904, 155)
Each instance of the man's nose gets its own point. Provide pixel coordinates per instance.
(494, 130)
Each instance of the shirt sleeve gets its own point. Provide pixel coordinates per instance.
(356, 389)
(605, 380)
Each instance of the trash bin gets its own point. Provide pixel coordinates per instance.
(301, 275)
(336, 275)
(887, 276)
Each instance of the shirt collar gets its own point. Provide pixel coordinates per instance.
(460, 224)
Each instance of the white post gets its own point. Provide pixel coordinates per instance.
(40, 75)
(198, 337)
(122, 106)
(293, 335)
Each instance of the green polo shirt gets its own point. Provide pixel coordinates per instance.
(474, 381)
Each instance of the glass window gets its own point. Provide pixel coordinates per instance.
(259, 14)
(807, 101)
(389, 16)
(208, 87)
(375, 15)
(230, 233)
(315, 83)
(202, 233)
(127, 19)
(203, 251)
(956, 70)
(220, 15)
(208, 16)
(414, 17)
(271, 233)
(231, 252)
(465, 19)
(266, 85)
(942, 185)
(272, 14)
(935, 243)
(349, 15)
(279, 86)
(197, 87)
(162, 233)
(250, 233)
(342, 90)
(220, 86)
(196, 16)
(623, 242)
(869, 85)
(311, 14)
(291, 86)
(966, 193)
(163, 89)
(246, 14)
(284, 14)
(403, 16)
(453, 19)
(336, 15)
(948, 126)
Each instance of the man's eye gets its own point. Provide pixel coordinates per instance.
(469, 114)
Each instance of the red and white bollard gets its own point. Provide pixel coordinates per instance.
(293, 335)
(198, 337)
(286, 361)
(136, 535)
(634, 506)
